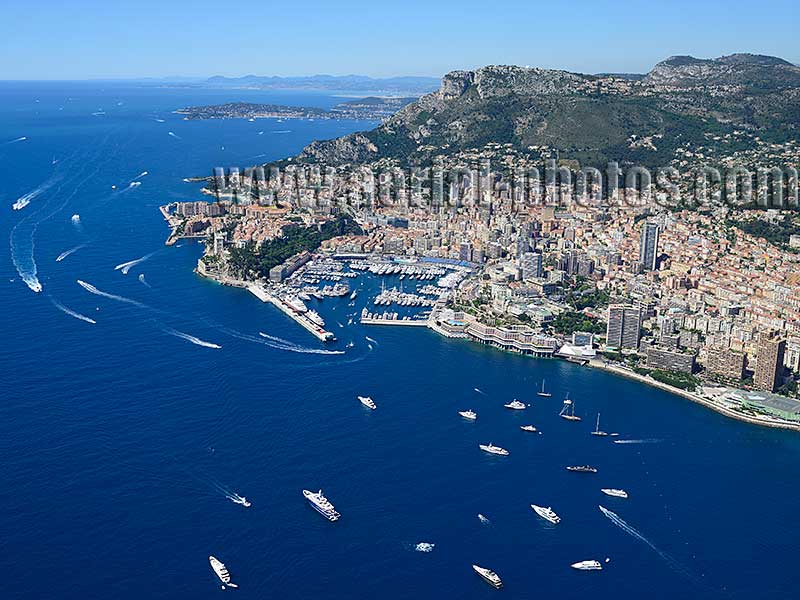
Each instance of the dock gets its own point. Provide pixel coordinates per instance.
(314, 329)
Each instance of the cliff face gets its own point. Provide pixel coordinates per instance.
(586, 117)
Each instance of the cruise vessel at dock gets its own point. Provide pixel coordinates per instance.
(322, 505)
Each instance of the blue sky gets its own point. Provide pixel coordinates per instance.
(123, 39)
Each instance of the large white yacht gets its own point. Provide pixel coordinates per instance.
(322, 505)
(546, 513)
(587, 565)
(489, 576)
(315, 318)
(468, 414)
(296, 304)
(614, 492)
(491, 449)
(222, 572)
(515, 405)
(368, 402)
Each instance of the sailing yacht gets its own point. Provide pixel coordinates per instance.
(543, 393)
(568, 411)
(597, 428)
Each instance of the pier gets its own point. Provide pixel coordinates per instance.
(317, 331)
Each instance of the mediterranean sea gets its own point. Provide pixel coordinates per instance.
(134, 405)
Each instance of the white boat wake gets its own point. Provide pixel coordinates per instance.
(71, 312)
(19, 139)
(66, 253)
(190, 338)
(93, 290)
(141, 278)
(619, 522)
(479, 391)
(177, 137)
(483, 519)
(369, 339)
(647, 441)
(126, 266)
(281, 344)
(26, 199)
(139, 176)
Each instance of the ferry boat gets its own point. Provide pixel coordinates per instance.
(568, 411)
(491, 449)
(530, 428)
(597, 428)
(368, 402)
(546, 513)
(587, 565)
(322, 505)
(489, 576)
(542, 392)
(315, 318)
(222, 572)
(468, 414)
(614, 492)
(582, 469)
(515, 405)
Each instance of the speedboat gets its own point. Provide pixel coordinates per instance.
(20, 204)
(530, 428)
(222, 572)
(489, 576)
(587, 565)
(614, 492)
(368, 402)
(468, 414)
(237, 499)
(582, 469)
(546, 513)
(515, 405)
(322, 505)
(491, 449)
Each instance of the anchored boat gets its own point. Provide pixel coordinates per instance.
(222, 572)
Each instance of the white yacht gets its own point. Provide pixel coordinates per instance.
(368, 402)
(530, 428)
(597, 428)
(296, 305)
(315, 318)
(491, 449)
(221, 572)
(515, 405)
(353, 295)
(587, 565)
(322, 505)
(546, 513)
(614, 492)
(568, 411)
(489, 576)
(543, 393)
(468, 414)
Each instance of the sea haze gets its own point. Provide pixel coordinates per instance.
(133, 405)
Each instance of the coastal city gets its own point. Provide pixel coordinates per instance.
(692, 300)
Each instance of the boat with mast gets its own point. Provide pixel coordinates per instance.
(542, 393)
(597, 428)
(568, 410)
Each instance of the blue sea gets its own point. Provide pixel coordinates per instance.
(122, 436)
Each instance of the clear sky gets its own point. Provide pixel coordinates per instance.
(80, 39)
